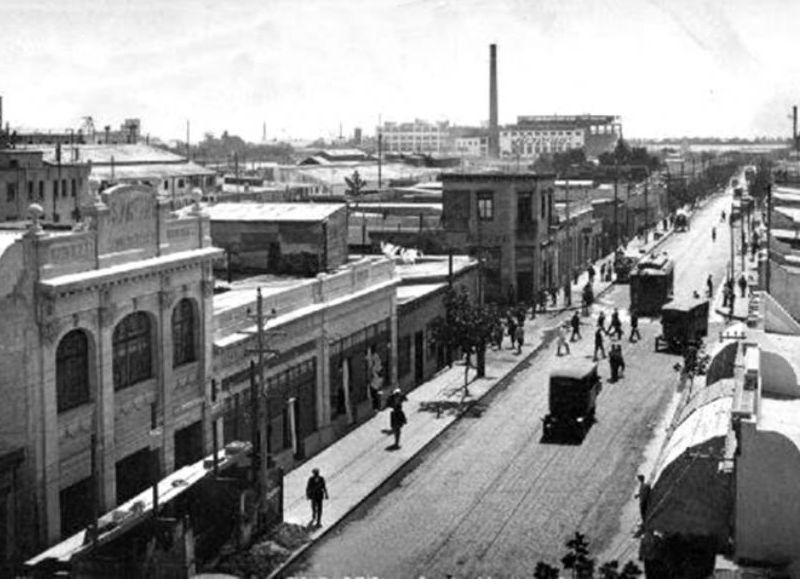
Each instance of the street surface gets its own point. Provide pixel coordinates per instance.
(489, 498)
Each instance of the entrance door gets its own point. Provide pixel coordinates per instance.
(419, 357)
(525, 286)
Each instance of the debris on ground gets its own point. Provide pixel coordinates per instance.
(266, 553)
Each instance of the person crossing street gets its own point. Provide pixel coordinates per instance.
(598, 342)
(575, 322)
(634, 326)
(562, 338)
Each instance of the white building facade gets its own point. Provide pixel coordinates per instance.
(105, 366)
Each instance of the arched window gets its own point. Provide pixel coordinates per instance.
(183, 350)
(132, 351)
(72, 371)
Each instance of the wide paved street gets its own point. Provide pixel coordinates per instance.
(489, 498)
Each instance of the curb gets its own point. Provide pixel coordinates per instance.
(545, 340)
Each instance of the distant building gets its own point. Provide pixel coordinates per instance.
(535, 135)
(58, 184)
(503, 219)
(328, 156)
(301, 239)
(104, 339)
(415, 137)
(174, 177)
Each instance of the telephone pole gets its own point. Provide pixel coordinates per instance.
(260, 402)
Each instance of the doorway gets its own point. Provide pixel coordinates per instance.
(419, 357)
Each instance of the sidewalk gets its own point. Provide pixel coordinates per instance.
(742, 306)
(357, 465)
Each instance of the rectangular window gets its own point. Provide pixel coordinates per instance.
(544, 205)
(41, 191)
(55, 189)
(11, 192)
(74, 188)
(525, 207)
(64, 191)
(76, 507)
(486, 206)
(30, 190)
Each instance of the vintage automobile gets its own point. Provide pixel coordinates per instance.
(573, 396)
(683, 321)
(652, 283)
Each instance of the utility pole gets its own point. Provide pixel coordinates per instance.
(260, 401)
(616, 223)
(628, 210)
(187, 139)
(380, 157)
(795, 143)
(769, 234)
(646, 214)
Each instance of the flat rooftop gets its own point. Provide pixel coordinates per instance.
(286, 212)
(409, 293)
(432, 267)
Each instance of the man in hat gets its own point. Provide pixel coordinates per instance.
(316, 492)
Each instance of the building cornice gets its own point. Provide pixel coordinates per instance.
(128, 272)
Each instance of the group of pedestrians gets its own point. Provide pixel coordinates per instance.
(513, 324)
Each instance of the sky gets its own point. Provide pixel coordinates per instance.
(668, 68)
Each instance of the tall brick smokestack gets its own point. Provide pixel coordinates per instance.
(494, 131)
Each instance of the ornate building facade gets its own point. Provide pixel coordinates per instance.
(104, 361)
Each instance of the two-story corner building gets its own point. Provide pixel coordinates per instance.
(504, 219)
(58, 186)
(104, 361)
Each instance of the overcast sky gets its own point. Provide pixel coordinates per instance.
(667, 67)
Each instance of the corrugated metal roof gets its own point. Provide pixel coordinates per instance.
(151, 171)
(101, 154)
(296, 212)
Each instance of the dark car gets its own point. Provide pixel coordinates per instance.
(684, 321)
(573, 396)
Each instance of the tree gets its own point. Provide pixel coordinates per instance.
(355, 185)
(582, 566)
(467, 327)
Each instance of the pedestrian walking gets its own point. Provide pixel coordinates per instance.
(634, 326)
(397, 420)
(519, 337)
(713, 234)
(613, 362)
(603, 270)
(643, 495)
(553, 296)
(709, 286)
(575, 322)
(616, 324)
(722, 217)
(620, 361)
(591, 272)
(562, 338)
(743, 285)
(316, 492)
(396, 399)
(601, 321)
(567, 294)
(512, 330)
(542, 300)
(598, 343)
